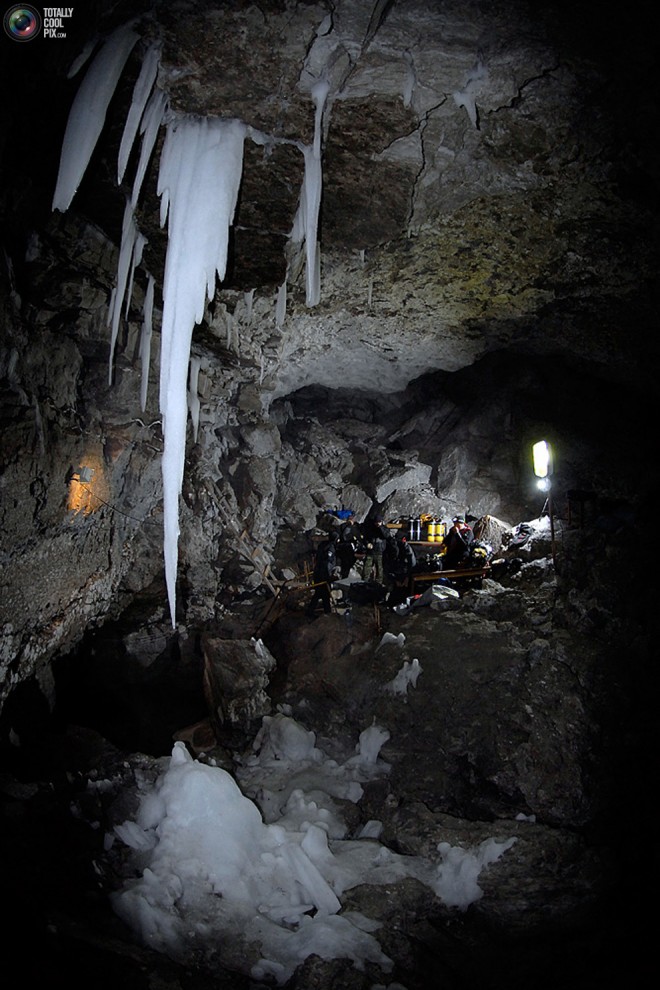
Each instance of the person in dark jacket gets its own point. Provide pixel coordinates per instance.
(407, 559)
(390, 559)
(457, 543)
(404, 565)
(324, 567)
(349, 535)
(375, 544)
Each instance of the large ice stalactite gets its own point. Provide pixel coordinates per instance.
(200, 172)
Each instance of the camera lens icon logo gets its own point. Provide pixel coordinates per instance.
(22, 23)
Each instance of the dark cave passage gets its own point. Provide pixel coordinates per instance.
(136, 704)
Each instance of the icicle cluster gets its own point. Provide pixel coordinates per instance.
(466, 97)
(199, 176)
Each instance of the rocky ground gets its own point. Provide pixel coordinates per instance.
(527, 719)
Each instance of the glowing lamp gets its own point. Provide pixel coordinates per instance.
(88, 486)
(542, 459)
(85, 474)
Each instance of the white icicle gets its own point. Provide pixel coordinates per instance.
(151, 121)
(409, 82)
(141, 92)
(312, 203)
(193, 394)
(319, 95)
(129, 234)
(312, 196)
(466, 97)
(138, 248)
(305, 223)
(80, 60)
(88, 112)
(200, 172)
(249, 301)
(280, 307)
(145, 339)
(111, 305)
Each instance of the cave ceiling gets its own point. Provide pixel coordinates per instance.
(485, 177)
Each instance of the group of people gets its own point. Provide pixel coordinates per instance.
(388, 560)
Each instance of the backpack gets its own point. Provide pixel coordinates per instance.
(366, 592)
(521, 535)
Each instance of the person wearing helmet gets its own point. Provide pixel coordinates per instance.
(457, 543)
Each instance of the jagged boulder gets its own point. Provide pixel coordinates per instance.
(236, 675)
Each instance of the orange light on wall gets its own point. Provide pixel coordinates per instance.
(88, 486)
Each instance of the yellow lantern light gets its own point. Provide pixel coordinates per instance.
(88, 485)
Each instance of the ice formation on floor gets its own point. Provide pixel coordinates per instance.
(254, 875)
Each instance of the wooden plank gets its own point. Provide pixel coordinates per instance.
(453, 575)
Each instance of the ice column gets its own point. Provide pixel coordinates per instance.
(199, 176)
